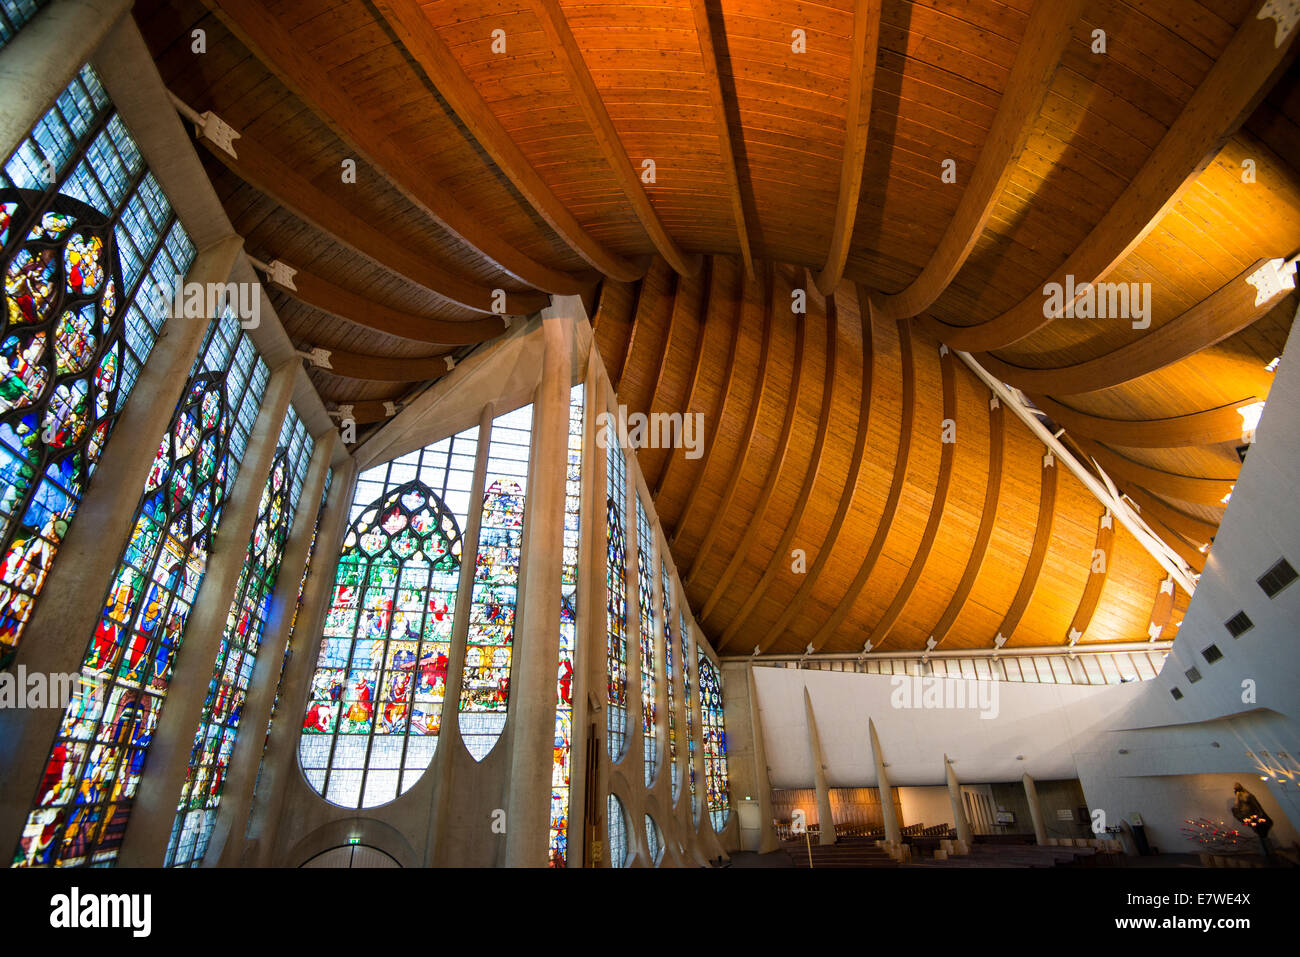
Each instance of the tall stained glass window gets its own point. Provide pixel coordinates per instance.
(86, 235)
(375, 704)
(489, 644)
(667, 586)
(690, 719)
(618, 830)
(715, 743)
(645, 580)
(14, 14)
(616, 591)
(214, 741)
(85, 796)
(560, 768)
(653, 839)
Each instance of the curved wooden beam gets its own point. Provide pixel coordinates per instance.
(264, 171)
(1162, 609)
(747, 442)
(261, 31)
(1037, 551)
(711, 266)
(712, 79)
(1197, 428)
(1192, 529)
(1048, 33)
(1224, 313)
(857, 120)
(1188, 488)
(988, 518)
(566, 51)
(324, 295)
(1236, 83)
(647, 296)
(937, 505)
(680, 306)
(369, 411)
(891, 502)
(1098, 569)
(800, 599)
(417, 34)
(815, 465)
(755, 520)
(711, 435)
(356, 365)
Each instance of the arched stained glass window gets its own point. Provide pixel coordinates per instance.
(654, 840)
(15, 13)
(560, 768)
(489, 644)
(376, 698)
(687, 642)
(667, 586)
(86, 794)
(78, 321)
(645, 579)
(214, 740)
(616, 592)
(618, 831)
(715, 743)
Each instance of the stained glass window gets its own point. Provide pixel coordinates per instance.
(617, 833)
(667, 586)
(645, 579)
(616, 591)
(214, 741)
(82, 223)
(653, 839)
(14, 14)
(85, 796)
(560, 768)
(690, 719)
(375, 703)
(489, 644)
(715, 743)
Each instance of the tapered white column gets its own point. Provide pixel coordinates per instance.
(767, 839)
(149, 828)
(537, 644)
(954, 797)
(893, 832)
(1035, 809)
(68, 608)
(825, 818)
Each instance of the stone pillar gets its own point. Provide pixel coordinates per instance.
(147, 833)
(893, 832)
(279, 767)
(1035, 809)
(767, 840)
(441, 767)
(825, 818)
(68, 608)
(537, 644)
(37, 64)
(958, 810)
(241, 772)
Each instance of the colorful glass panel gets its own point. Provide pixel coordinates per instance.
(645, 580)
(376, 698)
(86, 794)
(560, 767)
(616, 592)
(489, 643)
(669, 676)
(687, 642)
(714, 734)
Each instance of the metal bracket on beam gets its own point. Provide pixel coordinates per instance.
(209, 126)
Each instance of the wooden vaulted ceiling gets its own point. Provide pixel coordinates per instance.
(922, 169)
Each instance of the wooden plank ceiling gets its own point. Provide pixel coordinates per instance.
(686, 164)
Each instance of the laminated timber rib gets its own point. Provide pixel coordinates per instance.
(498, 146)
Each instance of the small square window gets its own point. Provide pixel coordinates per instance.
(1178, 695)
(1277, 578)
(1239, 624)
(1192, 675)
(1212, 654)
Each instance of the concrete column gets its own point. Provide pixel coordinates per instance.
(145, 841)
(1035, 809)
(825, 818)
(537, 644)
(241, 772)
(37, 64)
(958, 810)
(279, 768)
(449, 726)
(767, 840)
(68, 608)
(893, 832)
